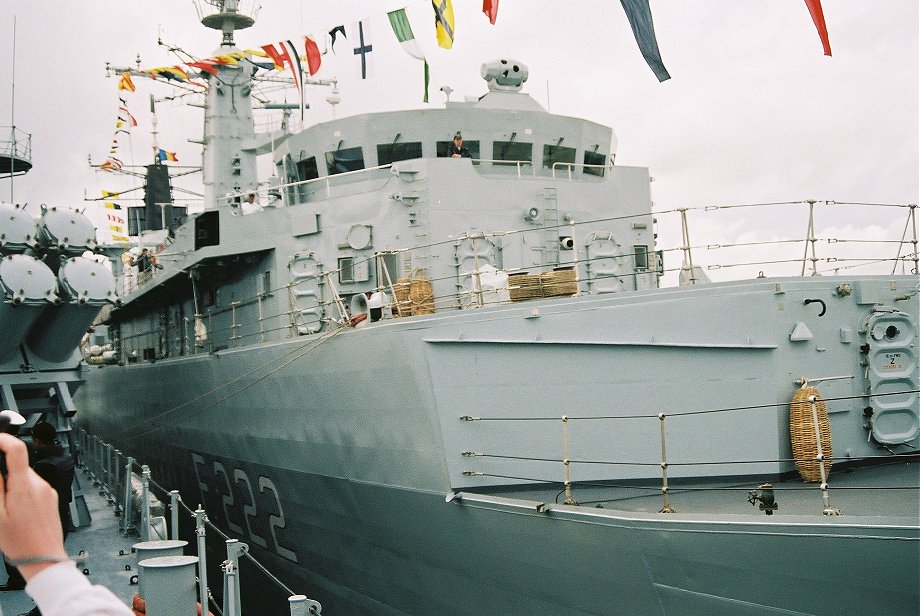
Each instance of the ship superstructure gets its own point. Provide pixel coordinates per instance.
(408, 379)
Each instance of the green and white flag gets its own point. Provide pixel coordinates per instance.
(403, 32)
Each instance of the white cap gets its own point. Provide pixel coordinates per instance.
(15, 418)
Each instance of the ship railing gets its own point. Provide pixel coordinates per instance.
(267, 324)
(598, 170)
(518, 164)
(18, 146)
(765, 494)
(327, 181)
(129, 488)
(460, 286)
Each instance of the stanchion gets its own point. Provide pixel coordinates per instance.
(200, 521)
(665, 491)
(128, 509)
(145, 503)
(231, 568)
(174, 514)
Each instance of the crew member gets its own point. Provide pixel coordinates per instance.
(456, 149)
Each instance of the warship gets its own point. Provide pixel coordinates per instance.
(417, 383)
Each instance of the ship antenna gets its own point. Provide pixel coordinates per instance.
(13, 115)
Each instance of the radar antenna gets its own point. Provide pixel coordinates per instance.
(226, 16)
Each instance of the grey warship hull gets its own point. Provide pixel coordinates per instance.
(339, 459)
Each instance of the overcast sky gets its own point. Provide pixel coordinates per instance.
(754, 111)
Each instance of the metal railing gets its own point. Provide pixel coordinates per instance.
(459, 287)
(112, 472)
(18, 145)
(666, 486)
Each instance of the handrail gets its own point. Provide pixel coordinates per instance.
(454, 288)
(566, 462)
(570, 166)
(508, 163)
(18, 145)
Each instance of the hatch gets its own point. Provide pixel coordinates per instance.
(891, 367)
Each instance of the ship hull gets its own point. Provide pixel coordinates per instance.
(338, 459)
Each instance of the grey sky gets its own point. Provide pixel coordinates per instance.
(753, 113)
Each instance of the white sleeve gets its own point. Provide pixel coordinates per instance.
(62, 590)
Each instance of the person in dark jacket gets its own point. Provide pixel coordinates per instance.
(55, 466)
(456, 149)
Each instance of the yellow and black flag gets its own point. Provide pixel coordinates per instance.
(444, 22)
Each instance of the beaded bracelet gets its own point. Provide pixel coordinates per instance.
(37, 560)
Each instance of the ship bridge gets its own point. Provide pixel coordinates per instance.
(505, 131)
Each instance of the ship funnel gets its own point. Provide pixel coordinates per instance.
(86, 285)
(66, 231)
(18, 230)
(28, 288)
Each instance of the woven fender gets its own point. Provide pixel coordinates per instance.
(421, 295)
(802, 434)
(402, 300)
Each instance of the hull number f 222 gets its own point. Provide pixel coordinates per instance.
(249, 510)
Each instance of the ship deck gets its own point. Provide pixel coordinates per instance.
(883, 490)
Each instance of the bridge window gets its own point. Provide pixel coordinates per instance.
(391, 152)
(595, 158)
(472, 146)
(307, 170)
(342, 161)
(512, 150)
(553, 154)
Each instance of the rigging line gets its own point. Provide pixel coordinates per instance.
(232, 381)
(710, 208)
(300, 352)
(687, 413)
(687, 489)
(868, 204)
(863, 263)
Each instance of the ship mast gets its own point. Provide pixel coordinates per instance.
(228, 165)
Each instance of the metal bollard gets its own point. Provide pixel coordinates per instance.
(167, 585)
(200, 520)
(154, 549)
(231, 568)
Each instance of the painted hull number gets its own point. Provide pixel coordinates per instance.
(214, 480)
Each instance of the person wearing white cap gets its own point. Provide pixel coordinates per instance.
(10, 421)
